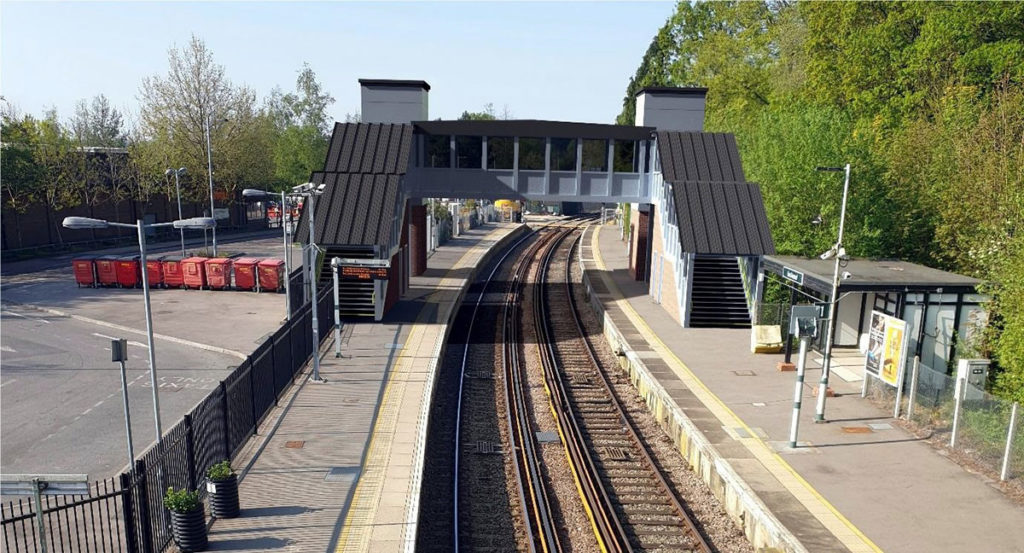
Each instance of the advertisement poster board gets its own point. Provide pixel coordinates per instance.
(887, 341)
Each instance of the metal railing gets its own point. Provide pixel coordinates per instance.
(126, 513)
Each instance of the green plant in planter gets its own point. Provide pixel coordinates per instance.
(220, 471)
(181, 501)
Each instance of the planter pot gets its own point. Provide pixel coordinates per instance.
(223, 497)
(189, 530)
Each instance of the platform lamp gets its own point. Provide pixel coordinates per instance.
(837, 252)
(140, 226)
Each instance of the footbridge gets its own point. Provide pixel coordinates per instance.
(699, 228)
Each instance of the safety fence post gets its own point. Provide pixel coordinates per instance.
(913, 387)
(1004, 473)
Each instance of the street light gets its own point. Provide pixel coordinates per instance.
(140, 226)
(254, 193)
(177, 189)
(837, 252)
(209, 171)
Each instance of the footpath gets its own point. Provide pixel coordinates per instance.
(336, 467)
(858, 483)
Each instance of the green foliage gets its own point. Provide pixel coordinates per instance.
(923, 99)
(486, 115)
(181, 501)
(220, 471)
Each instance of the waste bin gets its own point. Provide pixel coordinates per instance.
(194, 272)
(173, 275)
(271, 275)
(155, 272)
(245, 273)
(106, 270)
(85, 271)
(128, 274)
(218, 273)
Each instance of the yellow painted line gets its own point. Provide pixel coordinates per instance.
(357, 528)
(840, 526)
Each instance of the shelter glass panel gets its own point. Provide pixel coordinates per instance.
(500, 152)
(469, 151)
(563, 154)
(627, 156)
(595, 155)
(531, 154)
(439, 149)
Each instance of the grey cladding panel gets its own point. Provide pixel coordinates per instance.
(723, 218)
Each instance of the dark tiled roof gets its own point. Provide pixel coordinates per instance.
(375, 148)
(724, 218)
(363, 171)
(699, 156)
(534, 128)
(356, 209)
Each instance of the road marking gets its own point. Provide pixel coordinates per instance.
(182, 341)
(25, 316)
(8, 349)
(130, 342)
(8, 382)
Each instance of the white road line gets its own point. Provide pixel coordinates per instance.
(130, 342)
(182, 341)
(8, 349)
(25, 316)
(8, 382)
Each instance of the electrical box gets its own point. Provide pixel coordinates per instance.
(975, 373)
(803, 321)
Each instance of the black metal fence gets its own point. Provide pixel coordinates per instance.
(126, 513)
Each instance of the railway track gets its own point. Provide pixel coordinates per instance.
(631, 505)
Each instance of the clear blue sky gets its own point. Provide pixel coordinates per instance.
(566, 61)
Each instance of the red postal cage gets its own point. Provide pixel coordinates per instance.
(106, 270)
(85, 271)
(218, 273)
(245, 273)
(271, 274)
(173, 275)
(194, 271)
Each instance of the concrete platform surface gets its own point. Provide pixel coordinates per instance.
(880, 490)
(333, 468)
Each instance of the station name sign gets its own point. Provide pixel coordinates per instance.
(793, 275)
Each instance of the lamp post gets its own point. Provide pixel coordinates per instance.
(209, 171)
(255, 193)
(140, 226)
(309, 191)
(336, 268)
(839, 253)
(177, 189)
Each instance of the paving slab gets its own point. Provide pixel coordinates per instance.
(883, 490)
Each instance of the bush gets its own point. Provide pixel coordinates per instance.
(181, 501)
(220, 471)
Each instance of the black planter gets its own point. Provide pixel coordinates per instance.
(224, 497)
(189, 530)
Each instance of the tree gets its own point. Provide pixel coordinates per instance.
(486, 115)
(97, 123)
(301, 128)
(175, 112)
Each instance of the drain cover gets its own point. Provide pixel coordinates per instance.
(856, 430)
(295, 444)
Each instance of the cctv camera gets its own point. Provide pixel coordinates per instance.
(847, 275)
(828, 255)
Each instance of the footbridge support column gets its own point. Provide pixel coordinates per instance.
(418, 237)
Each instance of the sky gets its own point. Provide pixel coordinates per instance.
(560, 61)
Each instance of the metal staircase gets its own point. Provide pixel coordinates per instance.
(718, 298)
(354, 296)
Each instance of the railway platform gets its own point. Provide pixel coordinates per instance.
(878, 488)
(336, 466)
